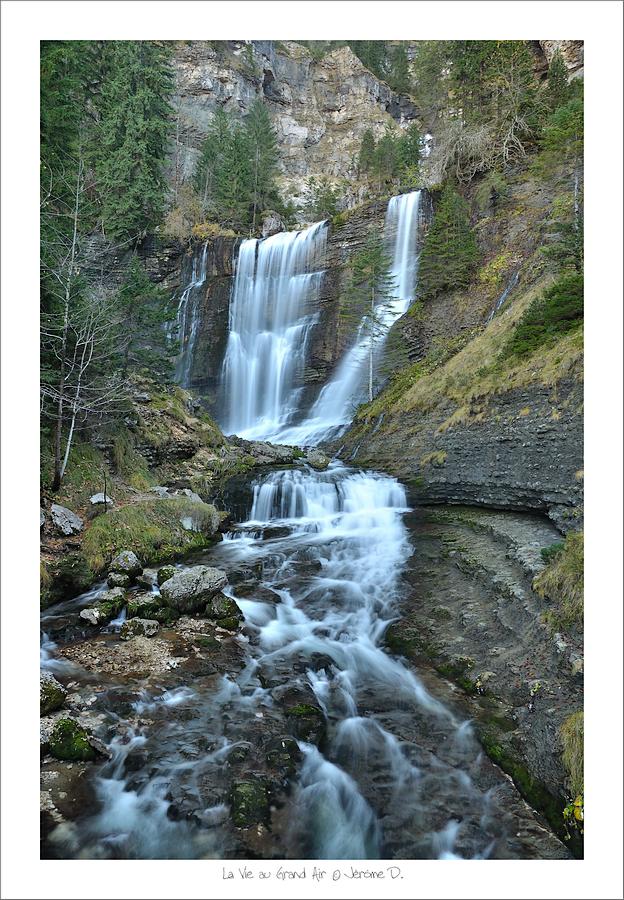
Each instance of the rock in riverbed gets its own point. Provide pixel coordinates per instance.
(317, 459)
(224, 611)
(70, 741)
(126, 563)
(190, 590)
(133, 627)
(52, 694)
(109, 604)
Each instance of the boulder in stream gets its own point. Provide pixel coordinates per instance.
(65, 521)
(190, 589)
(127, 563)
(225, 612)
(317, 459)
(70, 741)
(52, 694)
(118, 579)
(165, 573)
(109, 604)
(307, 722)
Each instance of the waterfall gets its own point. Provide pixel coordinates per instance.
(333, 409)
(272, 311)
(188, 318)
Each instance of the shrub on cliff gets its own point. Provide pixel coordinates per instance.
(556, 313)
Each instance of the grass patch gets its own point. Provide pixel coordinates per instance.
(471, 369)
(572, 738)
(562, 580)
(153, 529)
(129, 464)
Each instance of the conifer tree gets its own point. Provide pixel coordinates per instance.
(558, 88)
(215, 148)
(261, 145)
(135, 119)
(449, 253)
(399, 77)
(370, 293)
(366, 156)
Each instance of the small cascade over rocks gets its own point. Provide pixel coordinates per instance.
(272, 311)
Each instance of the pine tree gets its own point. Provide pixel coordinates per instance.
(366, 156)
(261, 144)
(399, 77)
(215, 148)
(449, 253)
(369, 294)
(558, 88)
(408, 156)
(134, 127)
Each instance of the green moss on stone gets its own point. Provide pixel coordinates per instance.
(69, 741)
(249, 803)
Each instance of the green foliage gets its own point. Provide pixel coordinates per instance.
(394, 160)
(562, 135)
(321, 200)
(132, 136)
(549, 553)
(399, 76)
(556, 313)
(367, 151)
(143, 309)
(449, 253)
(566, 248)
(558, 90)
(235, 177)
(153, 529)
(562, 581)
(491, 190)
(128, 462)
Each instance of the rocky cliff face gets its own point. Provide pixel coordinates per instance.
(320, 108)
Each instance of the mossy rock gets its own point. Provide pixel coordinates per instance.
(118, 579)
(206, 642)
(164, 573)
(68, 577)
(70, 741)
(249, 802)
(144, 606)
(307, 722)
(52, 694)
(284, 755)
(224, 610)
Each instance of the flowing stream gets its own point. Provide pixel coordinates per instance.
(304, 706)
(316, 570)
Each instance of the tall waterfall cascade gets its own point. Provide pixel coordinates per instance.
(333, 410)
(272, 311)
(188, 318)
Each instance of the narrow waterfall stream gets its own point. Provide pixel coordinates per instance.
(338, 399)
(303, 720)
(188, 317)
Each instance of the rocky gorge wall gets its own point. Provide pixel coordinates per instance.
(320, 108)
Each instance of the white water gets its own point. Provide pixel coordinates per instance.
(189, 317)
(272, 310)
(334, 408)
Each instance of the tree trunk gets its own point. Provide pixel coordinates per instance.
(59, 466)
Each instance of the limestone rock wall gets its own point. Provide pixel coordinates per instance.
(320, 108)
